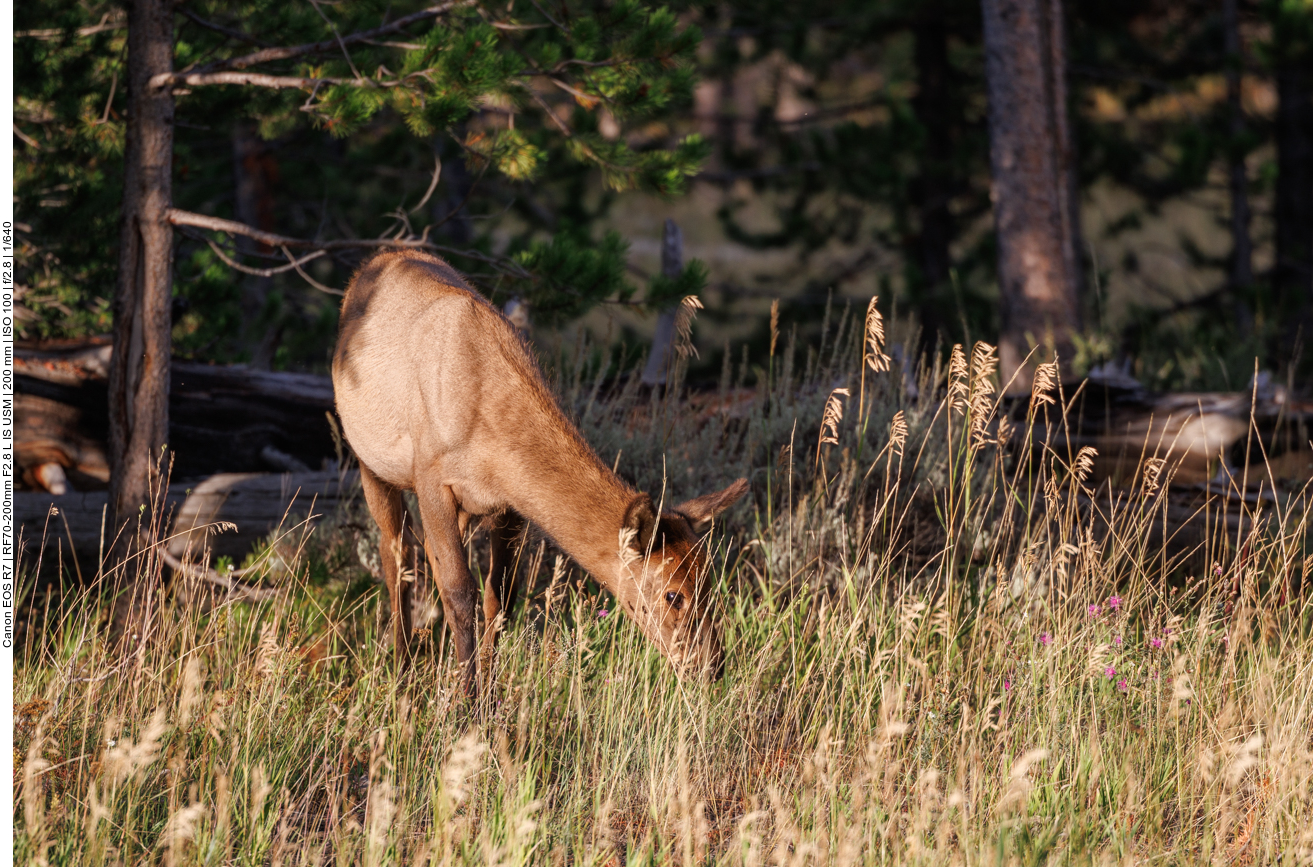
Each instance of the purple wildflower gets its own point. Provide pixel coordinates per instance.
(1110, 672)
(1156, 643)
(1045, 639)
(1007, 683)
(1114, 602)
(1117, 641)
(1094, 610)
(602, 612)
(1121, 685)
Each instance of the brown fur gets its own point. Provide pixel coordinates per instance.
(439, 395)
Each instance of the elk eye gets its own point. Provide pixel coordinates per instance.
(675, 599)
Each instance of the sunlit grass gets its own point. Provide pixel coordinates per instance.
(936, 655)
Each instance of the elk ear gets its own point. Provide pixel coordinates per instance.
(704, 509)
(641, 518)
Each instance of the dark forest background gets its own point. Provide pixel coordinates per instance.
(837, 147)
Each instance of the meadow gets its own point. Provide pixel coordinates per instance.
(948, 643)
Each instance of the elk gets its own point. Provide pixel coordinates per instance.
(439, 395)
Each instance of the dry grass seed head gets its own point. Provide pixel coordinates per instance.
(1004, 435)
(191, 691)
(875, 357)
(181, 829)
(898, 433)
(984, 361)
(1153, 469)
(125, 758)
(774, 324)
(832, 416)
(959, 379)
(465, 761)
(1018, 788)
(688, 309)
(1045, 382)
(627, 553)
(1084, 464)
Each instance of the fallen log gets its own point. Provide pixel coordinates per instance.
(221, 419)
(1197, 436)
(225, 515)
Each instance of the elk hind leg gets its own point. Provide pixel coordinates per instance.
(502, 586)
(389, 510)
(444, 542)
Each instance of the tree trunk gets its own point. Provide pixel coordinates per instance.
(672, 263)
(1036, 206)
(255, 171)
(933, 188)
(451, 218)
(139, 370)
(1294, 189)
(1242, 249)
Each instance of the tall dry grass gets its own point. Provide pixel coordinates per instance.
(938, 653)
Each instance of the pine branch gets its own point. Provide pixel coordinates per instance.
(288, 52)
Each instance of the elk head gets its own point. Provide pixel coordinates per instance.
(668, 593)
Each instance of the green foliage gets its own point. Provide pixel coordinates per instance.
(573, 274)
(663, 291)
(68, 111)
(506, 96)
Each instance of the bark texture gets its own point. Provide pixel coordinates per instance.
(1033, 161)
(139, 371)
(255, 171)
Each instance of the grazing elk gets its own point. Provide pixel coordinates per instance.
(438, 394)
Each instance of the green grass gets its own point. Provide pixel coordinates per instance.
(937, 654)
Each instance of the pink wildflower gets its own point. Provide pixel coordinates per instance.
(1007, 683)
(1121, 685)
(1094, 610)
(1114, 602)
(602, 612)
(1117, 641)
(1156, 643)
(1045, 639)
(1110, 672)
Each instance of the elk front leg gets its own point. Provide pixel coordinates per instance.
(440, 514)
(501, 587)
(389, 511)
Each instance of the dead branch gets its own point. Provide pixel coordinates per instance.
(232, 227)
(255, 594)
(219, 28)
(279, 82)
